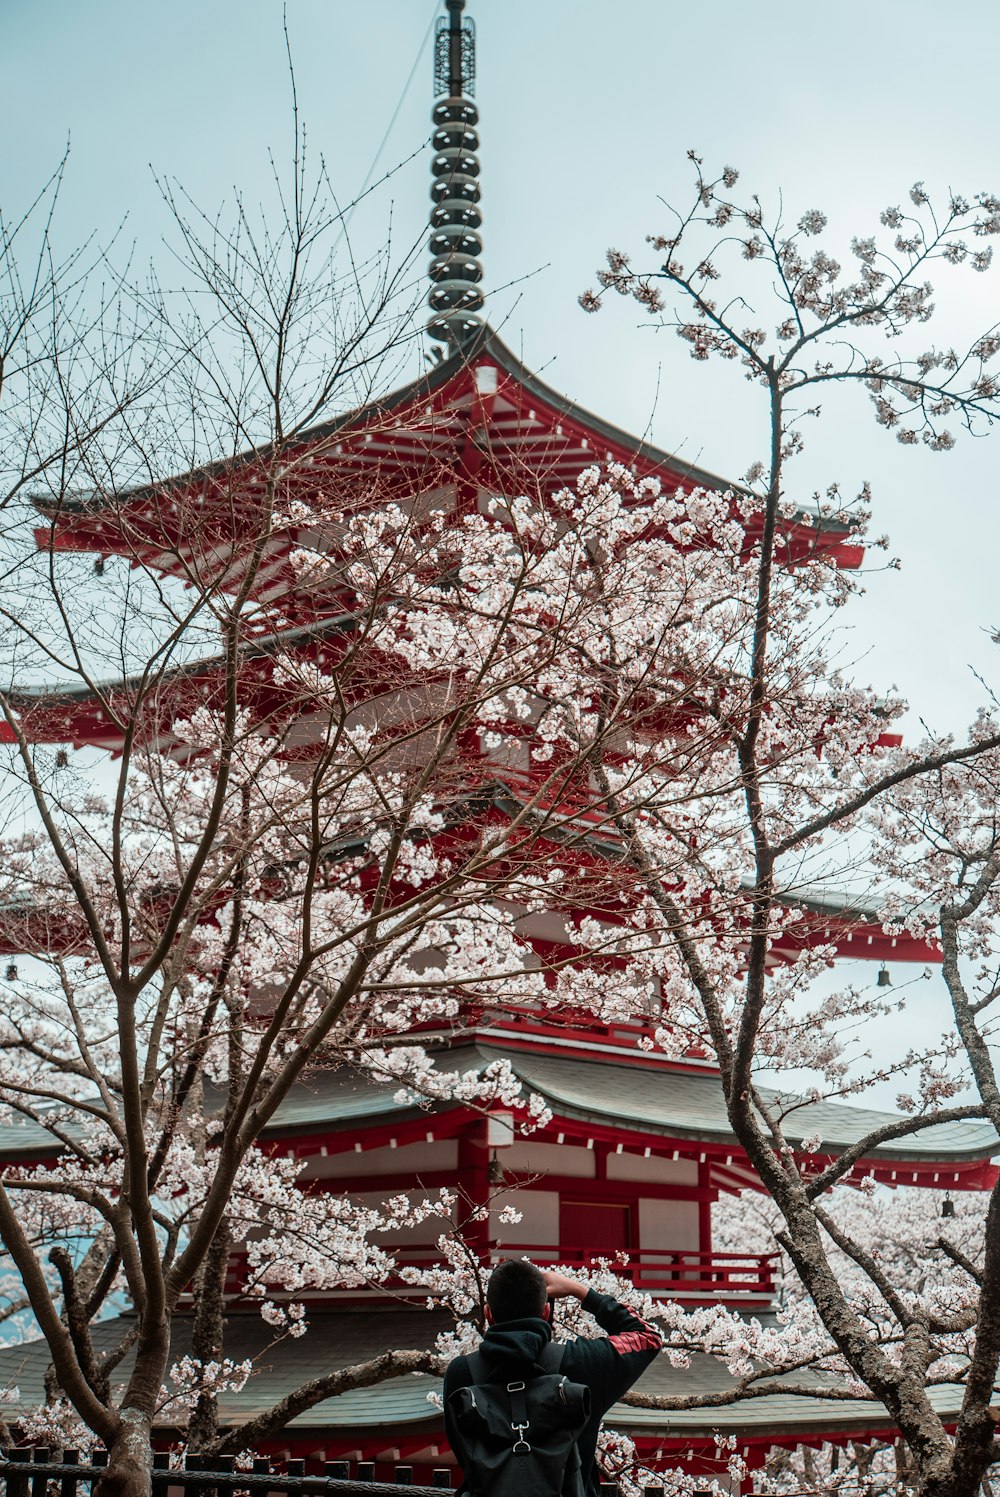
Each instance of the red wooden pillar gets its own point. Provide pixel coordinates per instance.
(474, 1183)
(704, 1208)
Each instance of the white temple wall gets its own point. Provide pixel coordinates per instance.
(412, 1160)
(539, 1224)
(427, 1231)
(669, 1224)
(549, 1159)
(663, 1171)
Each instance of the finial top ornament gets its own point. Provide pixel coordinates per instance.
(454, 53)
(455, 244)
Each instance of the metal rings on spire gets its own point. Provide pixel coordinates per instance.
(455, 244)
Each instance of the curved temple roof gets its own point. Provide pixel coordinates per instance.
(630, 1103)
(401, 1406)
(631, 1097)
(479, 419)
(679, 1104)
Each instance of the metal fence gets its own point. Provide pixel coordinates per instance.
(31, 1473)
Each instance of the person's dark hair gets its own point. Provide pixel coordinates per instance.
(516, 1290)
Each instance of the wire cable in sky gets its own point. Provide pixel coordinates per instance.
(421, 52)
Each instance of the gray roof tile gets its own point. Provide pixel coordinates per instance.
(679, 1104)
(676, 1103)
(339, 1338)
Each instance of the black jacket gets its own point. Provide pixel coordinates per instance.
(609, 1365)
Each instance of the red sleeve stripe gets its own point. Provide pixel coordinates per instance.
(644, 1340)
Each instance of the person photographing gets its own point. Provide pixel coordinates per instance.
(522, 1414)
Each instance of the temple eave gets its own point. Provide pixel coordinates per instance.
(480, 418)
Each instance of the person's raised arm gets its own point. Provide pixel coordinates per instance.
(628, 1332)
(558, 1286)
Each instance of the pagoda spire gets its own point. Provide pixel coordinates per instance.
(455, 269)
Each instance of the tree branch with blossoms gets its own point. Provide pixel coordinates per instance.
(813, 326)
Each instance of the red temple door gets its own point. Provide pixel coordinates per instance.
(594, 1229)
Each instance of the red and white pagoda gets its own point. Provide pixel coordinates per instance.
(638, 1146)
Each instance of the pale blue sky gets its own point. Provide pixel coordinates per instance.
(587, 109)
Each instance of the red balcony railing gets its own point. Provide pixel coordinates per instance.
(674, 1273)
(666, 1272)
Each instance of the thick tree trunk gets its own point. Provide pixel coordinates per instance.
(209, 1329)
(130, 1468)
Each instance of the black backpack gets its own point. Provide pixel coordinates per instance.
(519, 1438)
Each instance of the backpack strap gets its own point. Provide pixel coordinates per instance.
(551, 1357)
(519, 1420)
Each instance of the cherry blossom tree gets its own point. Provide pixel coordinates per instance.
(928, 808)
(614, 706)
(234, 894)
(932, 1263)
(292, 856)
(250, 903)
